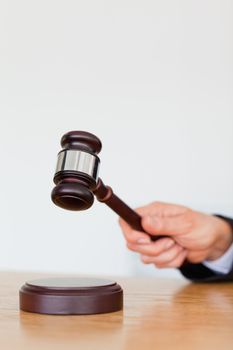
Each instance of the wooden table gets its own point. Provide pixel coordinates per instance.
(158, 314)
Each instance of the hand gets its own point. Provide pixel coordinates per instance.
(190, 235)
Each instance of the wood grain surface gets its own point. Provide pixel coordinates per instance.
(158, 314)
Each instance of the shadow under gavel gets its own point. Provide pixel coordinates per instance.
(77, 180)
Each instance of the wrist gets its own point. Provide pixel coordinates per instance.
(224, 238)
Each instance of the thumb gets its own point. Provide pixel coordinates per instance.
(170, 226)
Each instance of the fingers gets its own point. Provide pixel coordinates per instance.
(159, 219)
(175, 263)
(162, 253)
(155, 253)
(161, 209)
(152, 249)
(133, 236)
(173, 257)
(171, 226)
(156, 225)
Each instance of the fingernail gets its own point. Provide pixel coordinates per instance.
(169, 244)
(143, 240)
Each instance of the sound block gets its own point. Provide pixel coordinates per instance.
(71, 296)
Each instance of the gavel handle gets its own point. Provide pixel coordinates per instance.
(105, 194)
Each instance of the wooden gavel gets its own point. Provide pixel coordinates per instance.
(77, 180)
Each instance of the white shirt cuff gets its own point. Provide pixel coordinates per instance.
(223, 264)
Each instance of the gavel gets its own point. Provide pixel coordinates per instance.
(77, 182)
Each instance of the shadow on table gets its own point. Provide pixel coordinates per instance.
(198, 315)
(78, 330)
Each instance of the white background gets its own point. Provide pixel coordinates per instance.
(152, 79)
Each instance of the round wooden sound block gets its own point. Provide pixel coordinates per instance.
(71, 296)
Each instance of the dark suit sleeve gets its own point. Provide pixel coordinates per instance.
(201, 273)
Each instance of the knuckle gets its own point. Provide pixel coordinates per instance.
(156, 204)
(129, 246)
(155, 251)
(161, 261)
(130, 239)
(170, 255)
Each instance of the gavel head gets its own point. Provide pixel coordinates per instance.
(77, 171)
